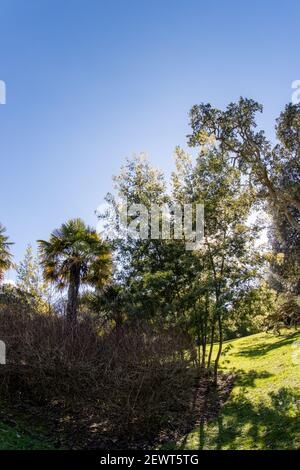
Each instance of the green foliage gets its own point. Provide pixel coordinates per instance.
(274, 171)
(166, 282)
(286, 313)
(12, 297)
(5, 255)
(108, 305)
(28, 278)
(251, 311)
(30, 281)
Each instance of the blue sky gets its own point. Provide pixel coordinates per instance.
(91, 82)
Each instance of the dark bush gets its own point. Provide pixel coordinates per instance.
(128, 382)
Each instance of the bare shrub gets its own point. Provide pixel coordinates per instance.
(129, 382)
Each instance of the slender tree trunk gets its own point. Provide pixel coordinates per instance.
(204, 334)
(203, 351)
(220, 326)
(198, 356)
(119, 326)
(211, 343)
(72, 305)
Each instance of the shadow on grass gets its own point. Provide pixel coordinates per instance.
(265, 348)
(248, 379)
(274, 424)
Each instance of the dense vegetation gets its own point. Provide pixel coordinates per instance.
(120, 332)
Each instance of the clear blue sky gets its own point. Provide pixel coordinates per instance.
(91, 82)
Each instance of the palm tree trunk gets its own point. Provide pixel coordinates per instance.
(72, 305)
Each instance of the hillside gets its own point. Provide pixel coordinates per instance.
(264, 409)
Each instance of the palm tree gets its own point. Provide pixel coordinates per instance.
(111, 302)
(75, 255)
(5, 255)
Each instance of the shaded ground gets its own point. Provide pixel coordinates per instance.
(263, 411)
(15, 434)
(32, 427)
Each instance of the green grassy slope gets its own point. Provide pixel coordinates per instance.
(263, 411)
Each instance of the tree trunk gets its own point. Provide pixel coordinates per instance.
(74, 284)
(199, 354)
(211, 344)
(204, 335)
(119, 326)
(220, 347)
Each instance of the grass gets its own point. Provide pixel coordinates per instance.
(15, 437)
(263, 411)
